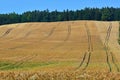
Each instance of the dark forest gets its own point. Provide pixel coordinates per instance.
(99, 14)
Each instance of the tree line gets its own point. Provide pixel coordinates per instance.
(100, 14)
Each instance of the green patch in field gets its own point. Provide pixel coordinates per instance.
(32, 65)
(5, 65)
(27, 65)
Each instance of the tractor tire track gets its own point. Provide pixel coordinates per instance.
(106, 46)
(65, 40)
(7, 32)
(88, 62)
(1, 67)
(113, 60)
(108, 35)
(50, 33)
(108, 62)
(90, 49)
(21, 63)
(26, 35)
(69, 33)
(18, 63)
(21, 46)
(90, 46)
(84, 57)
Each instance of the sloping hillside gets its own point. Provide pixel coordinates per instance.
(74, 45)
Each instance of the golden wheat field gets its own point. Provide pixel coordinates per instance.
(69, 50)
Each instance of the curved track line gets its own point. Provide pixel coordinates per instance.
(113, 60)
(1, 67)
(50, 33)
(90, 49)
(65, 40)
(88, 62)
(69, 33)
(84, 57)
(108, 62)
(65, 29)
(90, 46)
(26, 35)
(7, 32)
(18, 63)
(106, 46)
(28, 59)
(108, 35)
